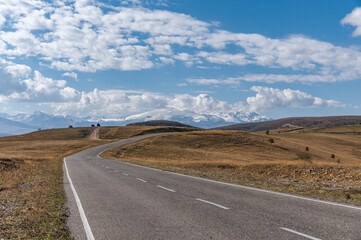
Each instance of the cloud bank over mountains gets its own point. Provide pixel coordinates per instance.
(120, 104)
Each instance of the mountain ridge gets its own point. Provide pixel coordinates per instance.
(295, 122)
(10, 127)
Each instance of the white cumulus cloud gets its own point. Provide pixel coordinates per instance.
(71, 75)
(273, 98)
(42, 90)
(354, 19)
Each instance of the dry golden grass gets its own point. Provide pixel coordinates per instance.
(31, 182)
(342, 142)
(52, 134)
(131, 131)
(250, 158)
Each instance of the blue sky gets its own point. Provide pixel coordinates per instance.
(120, 58)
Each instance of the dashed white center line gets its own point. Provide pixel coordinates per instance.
(106, 167)
(168, 189)
(300, 234)
(142, 180)
(125, 174)
(212, 203)
(116, 171)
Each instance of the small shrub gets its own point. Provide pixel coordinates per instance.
(271, 140)
(70, 126)
(93, 125)
(98, 125)
(307, 148)
(338, 160)
(226, 166)
(303, 156)
(267, 132)
(332, 155)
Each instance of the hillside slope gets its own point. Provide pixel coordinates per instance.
(295, 122)
(135, 130)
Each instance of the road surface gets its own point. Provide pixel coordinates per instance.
(110, 199)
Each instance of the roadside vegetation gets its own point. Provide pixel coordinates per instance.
(31, 182)
(323, 163)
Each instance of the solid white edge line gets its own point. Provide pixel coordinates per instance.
(125, 174)
(212, 203)
(300, 234)
(86, 225)
(102, 152)
(142, 180)
(249, 188)
(168, 189)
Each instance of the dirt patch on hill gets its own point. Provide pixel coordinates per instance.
(94, 135)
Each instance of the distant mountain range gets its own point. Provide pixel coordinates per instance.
(45, 121)
(195, 119)
(23, 123)
(9, 127)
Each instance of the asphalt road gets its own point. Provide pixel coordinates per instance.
(114, 200)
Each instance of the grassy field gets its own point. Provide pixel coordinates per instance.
(133, 130)
(31, 182)
(323, 163)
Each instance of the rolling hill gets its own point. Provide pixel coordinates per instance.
(295, 122)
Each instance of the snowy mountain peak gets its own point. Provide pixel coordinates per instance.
(44, 120)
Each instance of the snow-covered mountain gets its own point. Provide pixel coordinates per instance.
(22, 123)
(189, 118)
(45, 121)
